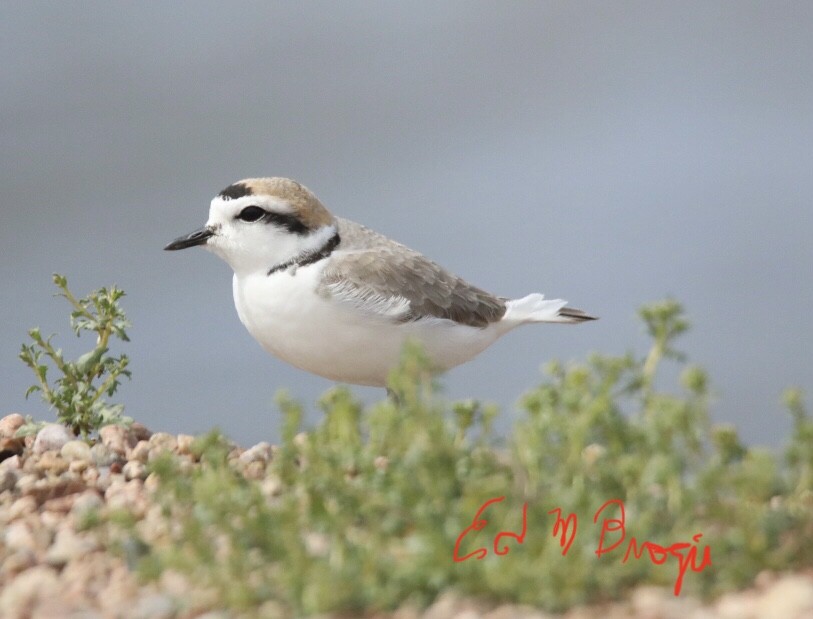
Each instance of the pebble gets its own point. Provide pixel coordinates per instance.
(20, 507)
(791, 596)
(141, 452)
(15, 462)
(156, 606)
(185, 442)
(261, 452)
(51, 462)
(736, 605)
(18, 561)
(85, 502)
(101, 455)
(51, 437)
(18, 536)
(134, 470)
(26, 483)
(10, 447)
(8, 479)
(657, 601)
(21, 595)
(510, 611)
(10, 424)
(254, 470)
(117, 439)
(140, 432)
(76, 450)
(161, 442)
(78, 466)
(68, 546)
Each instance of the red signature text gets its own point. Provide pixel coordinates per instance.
(612, 534)
(657, 554)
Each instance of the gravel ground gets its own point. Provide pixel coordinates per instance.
(50, 570)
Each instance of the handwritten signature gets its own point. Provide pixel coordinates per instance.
(564, 528)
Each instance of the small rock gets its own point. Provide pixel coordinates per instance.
(26, 483)
(510, 611)
(19, 561)
(20, 595)
(140, 432)
(446, 605)
(117, 438)
(68, 546)
(134, 470)
(737, 606)
(141, 452)
(13, 463)
(161, 442)
(78, 466)
(85, 502)
(8, 479)
(126, 495)
(261, 452)
(51, 462)
(185, 444)
(51, 437)
(10, 447)
(651, 601)
(58, 506)
(102, 456)
(254, 470)
(18, 536)
(76, 450)
(22, 506)
(791, 596)
(10, 424)
(155, 606)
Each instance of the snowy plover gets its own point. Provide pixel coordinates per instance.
(335, 298)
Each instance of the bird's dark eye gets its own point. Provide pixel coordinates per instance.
(251, 213)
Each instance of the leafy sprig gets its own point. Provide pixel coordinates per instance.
(78, 393)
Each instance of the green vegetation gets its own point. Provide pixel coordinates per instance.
(78, 393)
(368, 510)
(363, 512)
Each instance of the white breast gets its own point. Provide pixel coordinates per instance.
(318, 334)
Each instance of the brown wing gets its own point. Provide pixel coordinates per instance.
(393, 281)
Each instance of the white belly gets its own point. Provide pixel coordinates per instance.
(286, 316)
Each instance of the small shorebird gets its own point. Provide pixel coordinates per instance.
(335, 298)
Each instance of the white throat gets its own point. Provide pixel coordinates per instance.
(264, 247)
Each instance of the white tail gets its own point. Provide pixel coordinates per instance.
(536, 308)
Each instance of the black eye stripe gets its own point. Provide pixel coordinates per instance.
(289, 222)
(284, 220)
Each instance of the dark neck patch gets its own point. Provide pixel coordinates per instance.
(309, 257)
(237, 190)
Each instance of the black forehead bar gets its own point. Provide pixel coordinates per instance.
(289, 222)
(237, 190)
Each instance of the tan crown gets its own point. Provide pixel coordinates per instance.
(306, 206)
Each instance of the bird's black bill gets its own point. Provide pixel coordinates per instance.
(198, 237)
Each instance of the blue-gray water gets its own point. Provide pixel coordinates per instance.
(609, 154)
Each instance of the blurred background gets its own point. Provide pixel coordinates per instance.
(606, 153)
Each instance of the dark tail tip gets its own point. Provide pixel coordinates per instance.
(575, 315)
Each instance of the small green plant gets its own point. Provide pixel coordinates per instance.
(78, 394)
(365, 512)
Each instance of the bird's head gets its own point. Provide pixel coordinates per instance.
(257, 223)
